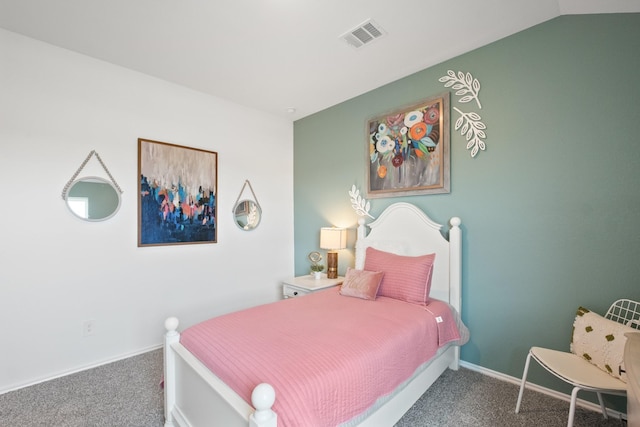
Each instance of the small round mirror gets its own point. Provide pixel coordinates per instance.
(92, 199)
(247, 214)
(314, 257)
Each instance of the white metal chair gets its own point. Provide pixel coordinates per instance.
(576, 371)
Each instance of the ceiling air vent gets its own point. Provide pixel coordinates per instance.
(364, 33)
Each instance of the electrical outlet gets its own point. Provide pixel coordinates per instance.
(88, 327)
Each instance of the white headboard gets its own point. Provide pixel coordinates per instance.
(404, 229)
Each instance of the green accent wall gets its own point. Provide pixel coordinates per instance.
(549, 211)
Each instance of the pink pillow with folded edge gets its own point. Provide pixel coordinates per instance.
(406, 278)
(361, 283)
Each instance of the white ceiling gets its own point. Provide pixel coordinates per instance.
(278, 54)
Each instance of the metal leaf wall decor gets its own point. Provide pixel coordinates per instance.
(472, 128)
(358, 203)
(469, 124)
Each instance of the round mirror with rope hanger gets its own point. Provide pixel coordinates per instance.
(247, 213)
(92, 198)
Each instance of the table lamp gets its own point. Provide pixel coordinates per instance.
(332, 239)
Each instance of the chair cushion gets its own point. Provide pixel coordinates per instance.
(600, 341)
(575, 370)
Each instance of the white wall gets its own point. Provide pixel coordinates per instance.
(56, 271)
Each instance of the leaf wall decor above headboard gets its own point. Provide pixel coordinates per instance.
(469, 124)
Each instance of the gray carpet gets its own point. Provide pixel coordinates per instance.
(127, 394)
(468, 398)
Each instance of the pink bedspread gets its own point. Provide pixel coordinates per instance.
(329, 357)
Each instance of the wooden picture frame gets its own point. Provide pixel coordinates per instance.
(408, 150)
(177, 189)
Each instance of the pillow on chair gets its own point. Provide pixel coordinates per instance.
(600, 341)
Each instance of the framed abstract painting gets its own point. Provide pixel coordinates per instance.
(177, 191)
(408, 150)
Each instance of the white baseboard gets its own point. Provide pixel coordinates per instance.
(535, 387)
(80, 369)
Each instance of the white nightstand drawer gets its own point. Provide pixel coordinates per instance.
(303, 285)
(289, 291)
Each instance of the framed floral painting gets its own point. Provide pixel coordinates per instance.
(177, 193)
(408, 150)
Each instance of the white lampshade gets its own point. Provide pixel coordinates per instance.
(333, 238)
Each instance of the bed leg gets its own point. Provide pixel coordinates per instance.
(263, 397)
(172, 336)
(455, 364)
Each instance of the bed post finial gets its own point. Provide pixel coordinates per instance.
(262, 398)
(171, 324)
(362, 230)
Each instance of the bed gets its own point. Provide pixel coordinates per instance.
(195, 396)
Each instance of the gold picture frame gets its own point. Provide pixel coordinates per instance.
(408, 150)
(177, 194)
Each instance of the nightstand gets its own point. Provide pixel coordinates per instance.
(303, 285)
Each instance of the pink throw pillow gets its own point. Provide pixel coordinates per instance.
(406, 278)
(361, 283)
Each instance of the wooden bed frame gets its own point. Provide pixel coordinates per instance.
(195, 397)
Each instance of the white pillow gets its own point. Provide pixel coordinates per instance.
(600, 341)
